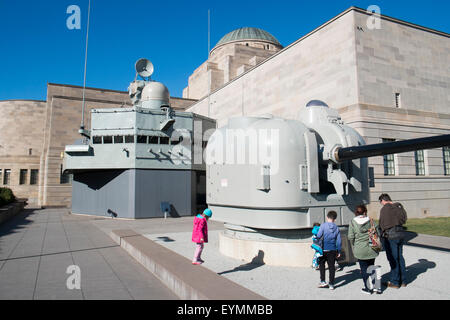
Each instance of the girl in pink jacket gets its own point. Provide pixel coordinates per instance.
(200, 234)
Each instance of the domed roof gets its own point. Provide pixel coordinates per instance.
(316, 103)
(247, 33)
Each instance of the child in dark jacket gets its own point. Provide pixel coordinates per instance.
(331, 249)
(200, 234)
(316, 246)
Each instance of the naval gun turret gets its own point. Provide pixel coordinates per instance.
(140, 161)
(269, 179)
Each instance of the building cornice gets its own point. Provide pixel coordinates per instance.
(88, 88)
(245, 40)
(351, 9)
(404, 111)
(107, 90)
(399, 21)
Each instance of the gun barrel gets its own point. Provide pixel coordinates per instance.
(379, 149)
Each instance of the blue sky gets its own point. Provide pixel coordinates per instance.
(37, 47)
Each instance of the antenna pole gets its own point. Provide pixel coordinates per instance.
(209, 31)
(85, 64)
(209, 49)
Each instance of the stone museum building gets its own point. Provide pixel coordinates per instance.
(390, 83)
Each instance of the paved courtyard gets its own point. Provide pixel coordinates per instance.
(427, 262)
(37, 247)
(427, 272)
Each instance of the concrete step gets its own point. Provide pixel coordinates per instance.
(188, 281)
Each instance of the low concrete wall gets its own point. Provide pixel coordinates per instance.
(10, 210)
(187, 281)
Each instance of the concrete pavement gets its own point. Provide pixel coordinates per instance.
(426, 268)
(37, 247)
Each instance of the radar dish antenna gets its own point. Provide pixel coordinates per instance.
(144, 68)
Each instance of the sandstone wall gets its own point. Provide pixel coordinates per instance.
(33, 135)
(358, 71)
(321, 65)
(21, 143)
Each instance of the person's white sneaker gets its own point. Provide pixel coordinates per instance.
(322, 284)
(377, 291)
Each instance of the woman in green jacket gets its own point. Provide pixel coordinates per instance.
(358, 235)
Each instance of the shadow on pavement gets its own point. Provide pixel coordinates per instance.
(16, 223)
(256, 262)
(427, 246)
(414, 270)
(349, 276)
(165, 239)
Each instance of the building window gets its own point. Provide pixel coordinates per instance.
(34, 176)
(23, 176)
(7, 176)
(118, 139)
(446, 151)
(153, 139)
(129, 139)
(64, 178)
(97, 139)
(389, 161)
(164, 140)
(420, 162)
(397, 100)
(141, 139)
(107, 139)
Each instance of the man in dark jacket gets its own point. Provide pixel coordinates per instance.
(392, 216)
